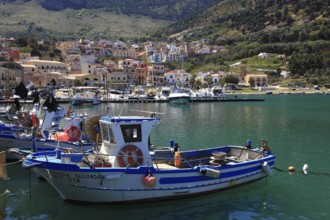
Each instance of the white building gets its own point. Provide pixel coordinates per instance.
(263, 55)
(155, 58)
(178, 77)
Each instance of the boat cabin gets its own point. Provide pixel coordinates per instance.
(83, 89)
(165, 91)
(125, 140)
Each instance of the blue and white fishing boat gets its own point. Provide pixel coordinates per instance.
(31, 130)
(128, 169)
(17, 140)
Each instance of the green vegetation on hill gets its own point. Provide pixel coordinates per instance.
(156, 9)
(298, 29)
(230, 18)
(30, 19)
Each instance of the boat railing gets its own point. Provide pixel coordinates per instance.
(185, 162)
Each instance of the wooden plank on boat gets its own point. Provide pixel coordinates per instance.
(165, 166)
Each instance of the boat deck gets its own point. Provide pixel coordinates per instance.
(164, 166)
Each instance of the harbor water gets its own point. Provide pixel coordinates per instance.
(295, 126)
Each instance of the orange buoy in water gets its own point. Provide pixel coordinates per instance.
(291, 168)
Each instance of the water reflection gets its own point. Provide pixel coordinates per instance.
(296, 127)
(233, 204)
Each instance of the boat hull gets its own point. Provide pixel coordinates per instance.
(10, 141)
(75, 182)
(178, 100)
(85, 101)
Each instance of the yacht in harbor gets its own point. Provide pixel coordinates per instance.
(178, 96)
(63, 95)
(85, 94)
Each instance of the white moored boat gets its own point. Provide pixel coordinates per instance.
(63, 95)
(85, 94)
(178, 96)
(164, 93)
(127, 169)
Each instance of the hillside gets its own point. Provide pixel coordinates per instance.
(298, 29)
(92, 18)
(228, 18)
(156, 9)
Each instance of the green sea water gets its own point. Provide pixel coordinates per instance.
(296, 127)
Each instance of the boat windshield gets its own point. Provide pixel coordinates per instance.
(131, 133)
(107, 133)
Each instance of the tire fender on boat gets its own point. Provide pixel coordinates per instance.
(130, 155)
(73, 132)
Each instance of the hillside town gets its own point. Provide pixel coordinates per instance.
(120, 64)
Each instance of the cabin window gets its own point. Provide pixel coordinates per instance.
(131, 133)
(105, 132)
(112, 136)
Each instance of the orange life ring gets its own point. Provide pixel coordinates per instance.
(130, 155)
(73, 132)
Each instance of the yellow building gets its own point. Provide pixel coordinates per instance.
(44, 66)
(11, 74)
(7, 79)
(253, 80)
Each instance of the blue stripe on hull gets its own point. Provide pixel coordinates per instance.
(232, 174)
(178, 188)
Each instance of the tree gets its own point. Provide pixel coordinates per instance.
(198, 83)
(77, 82)
(32, 42)
(231, 80)
(192, 82)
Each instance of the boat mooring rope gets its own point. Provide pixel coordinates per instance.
(12, 163)
(301, 171)
(30, 191)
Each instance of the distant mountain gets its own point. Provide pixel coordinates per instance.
(236, 18)
(299, 29)
(156, 9)
(89, 18)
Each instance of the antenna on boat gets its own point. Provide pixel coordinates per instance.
(131, 83)
(150, 112)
